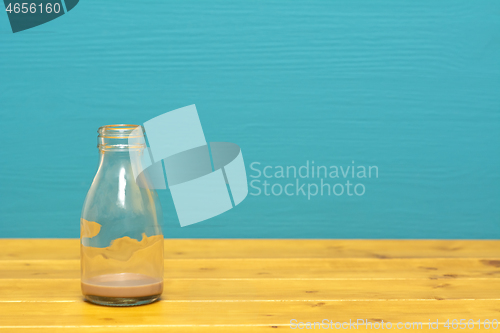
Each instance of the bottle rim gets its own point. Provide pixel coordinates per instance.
(119, 131)
(116, 137)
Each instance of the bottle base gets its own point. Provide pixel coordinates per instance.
(122, 301)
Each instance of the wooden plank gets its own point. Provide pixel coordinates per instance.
(202, 329)
(297, 248)
(340, 268)
(42, 249)
(242, 313)
(60, 290)
(15, 249)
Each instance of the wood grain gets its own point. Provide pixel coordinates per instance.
(68, 290)
(242, 313)
(248, 328)
(259, 285)
(337, 268)
(14, 249)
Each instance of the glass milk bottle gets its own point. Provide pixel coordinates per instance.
(121, 238)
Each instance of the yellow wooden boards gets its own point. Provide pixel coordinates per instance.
(261, 285)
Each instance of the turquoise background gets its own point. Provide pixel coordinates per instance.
(410, 86)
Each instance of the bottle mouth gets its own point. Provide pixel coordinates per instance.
(116, 137)
(119, 131)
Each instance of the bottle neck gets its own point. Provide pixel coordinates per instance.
(119, 145)
(114, 156)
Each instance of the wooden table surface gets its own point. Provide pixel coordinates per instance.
(260, 285)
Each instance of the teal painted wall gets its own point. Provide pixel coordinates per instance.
(412, 87)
